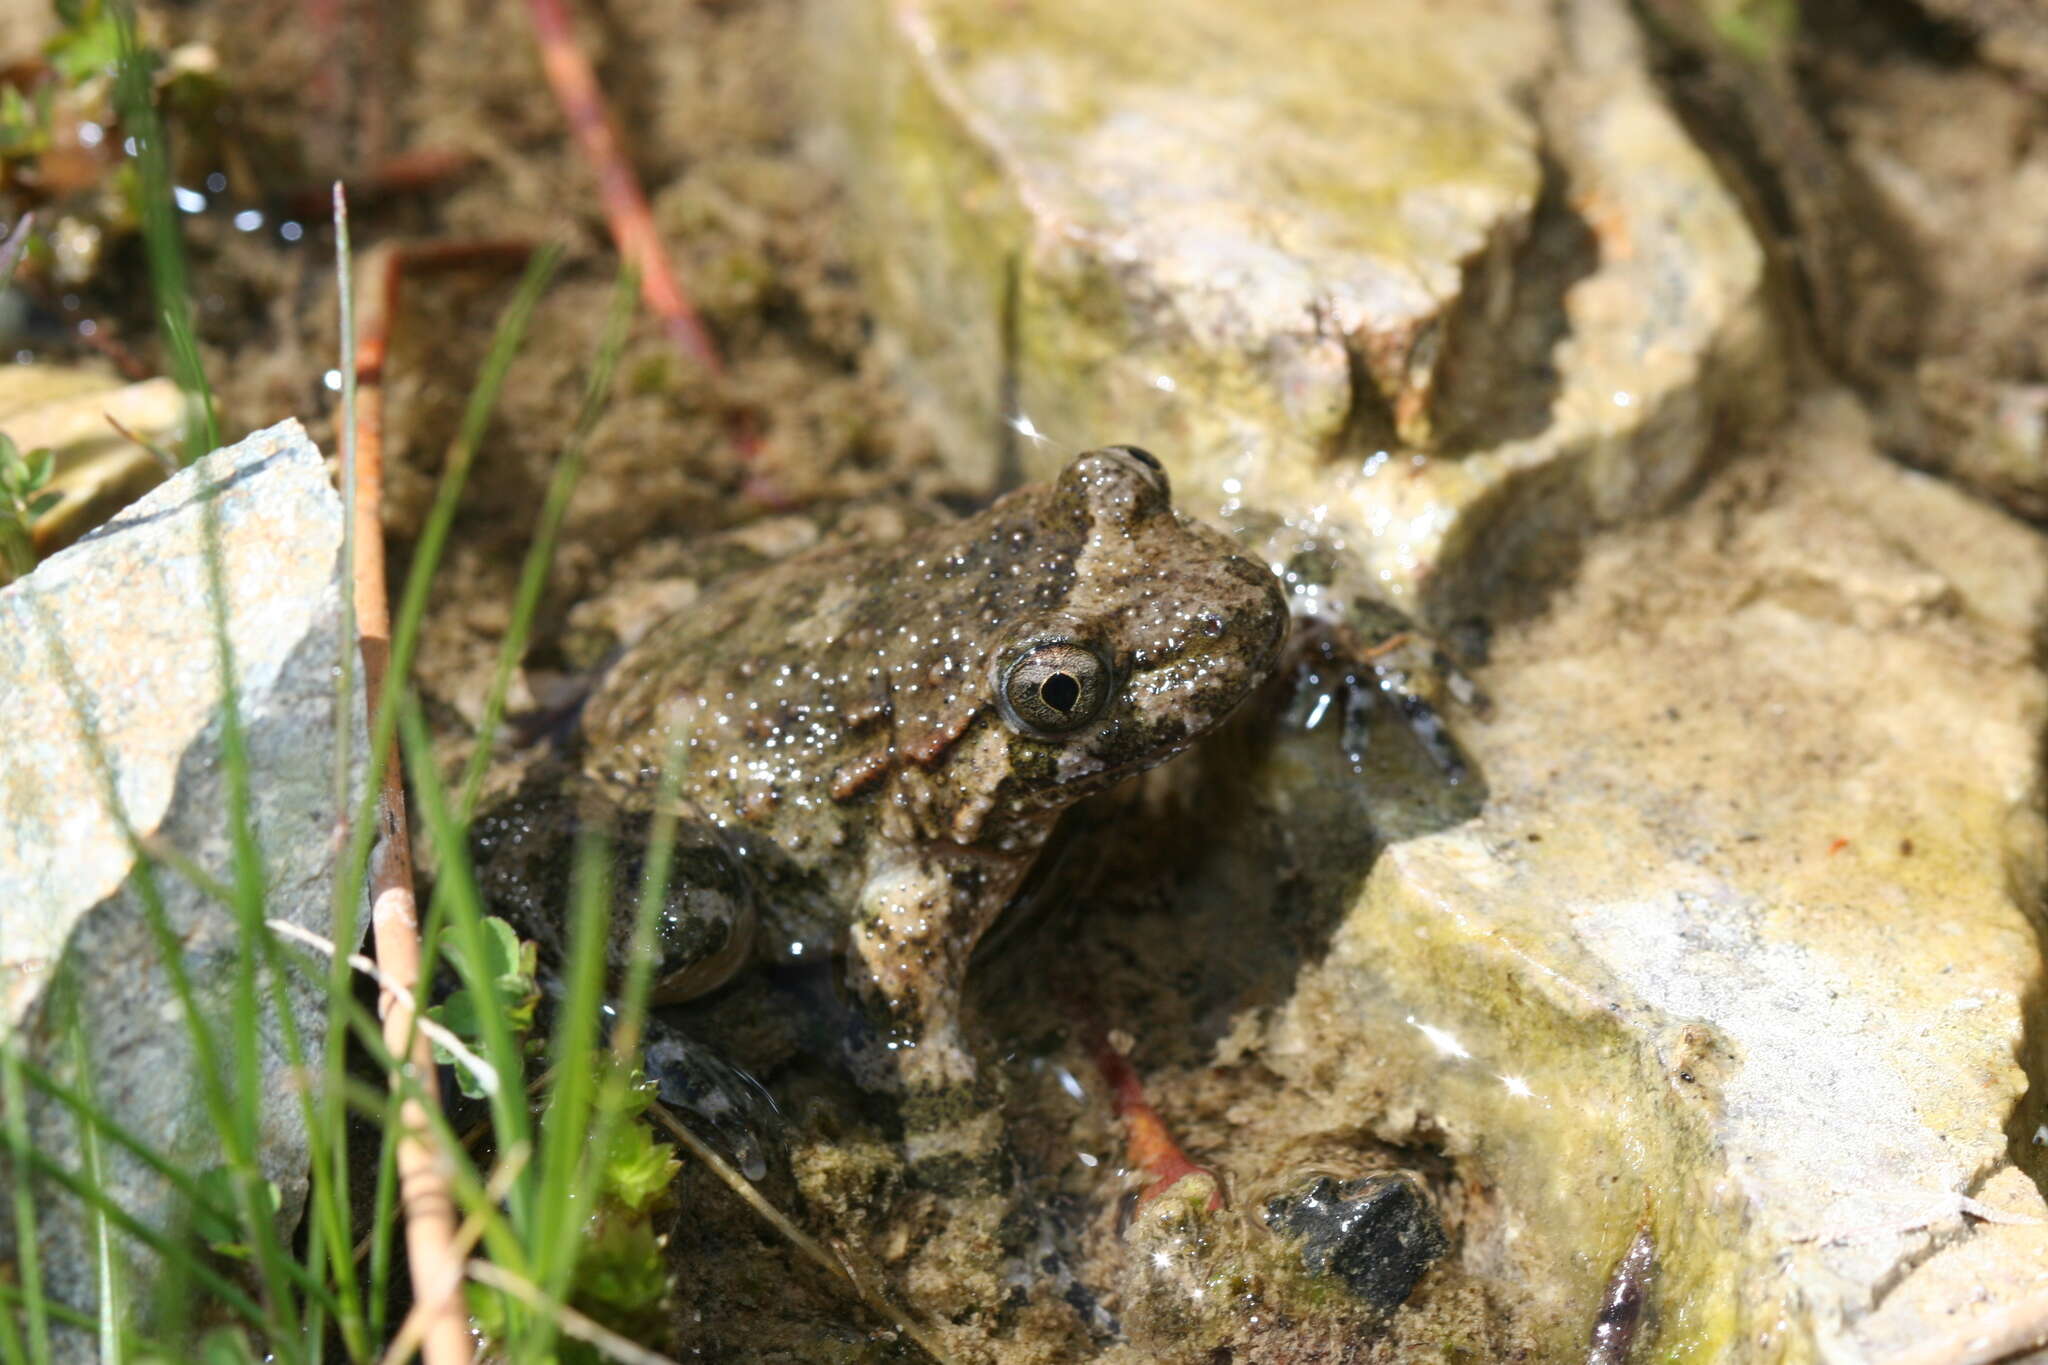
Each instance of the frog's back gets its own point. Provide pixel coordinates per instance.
(795, 690)
(949, 690)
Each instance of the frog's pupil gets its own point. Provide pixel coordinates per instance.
(1060, 691)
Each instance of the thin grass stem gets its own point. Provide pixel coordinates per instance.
(161, 240)
(540, 554)
(28, 1261)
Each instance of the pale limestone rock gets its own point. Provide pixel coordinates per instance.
(1740, 938)
(81, 976)
(1742, 933)
(1333, 294)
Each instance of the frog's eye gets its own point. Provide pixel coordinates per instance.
(1053, 687)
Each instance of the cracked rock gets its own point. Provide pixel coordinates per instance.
(117, 630)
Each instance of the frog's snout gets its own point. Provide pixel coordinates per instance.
(1124, 483)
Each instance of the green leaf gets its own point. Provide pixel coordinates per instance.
(43, 503)
(226, 1346)
(40, 462)
(621, 1274)
(22, 128)
(638, 1169)
(86, 47)
(487, 1311)
(511, 964)
(458, 1014)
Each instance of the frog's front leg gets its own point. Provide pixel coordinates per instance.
(920, 915)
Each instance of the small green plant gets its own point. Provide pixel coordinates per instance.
(509, 967)
(24, 497)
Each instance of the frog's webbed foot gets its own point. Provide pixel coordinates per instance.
(1347, 668)
(728, 1107)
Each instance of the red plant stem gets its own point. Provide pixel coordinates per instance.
(625, 205)
(423, 168)
(386, 264)
(1147, 1141)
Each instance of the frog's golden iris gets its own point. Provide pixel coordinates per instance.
(1054, 687)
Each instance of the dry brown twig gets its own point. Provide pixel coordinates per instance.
(430, 1305)
(813, 1249)
(625, 205)
(426, 1203)
(572, 1323)
(631, 222)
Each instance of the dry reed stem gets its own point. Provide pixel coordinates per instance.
(428, 1307)
(625, 204)
(574, 1324)
(424, 1198)
(809, 1246)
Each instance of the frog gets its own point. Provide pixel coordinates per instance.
(887, 733)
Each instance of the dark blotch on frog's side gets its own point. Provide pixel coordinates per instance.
(845, 723)
(1375, 1236)
(523, 848)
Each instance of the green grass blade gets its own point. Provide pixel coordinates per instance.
(132, 1343)
(196, 1195)
(565, 1163)
(86, 1112)
(425, 561)
(350, 886)
(112, 1292)
(252, 946)
(330, 1187)
(540, 555)
(500, 1047)
(136, 100)
(28, 1262)
(88, 1189)
(170, 946)
(383, 1224)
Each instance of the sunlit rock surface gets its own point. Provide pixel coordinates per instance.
(1439, 287)
(1741, 940)
(82, 979)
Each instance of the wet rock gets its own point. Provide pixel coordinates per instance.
(83, 989)
(1434, 293)
(1743, 934)
(1377, 1235)
(1952, 153)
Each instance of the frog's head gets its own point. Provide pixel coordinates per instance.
(1163, 627)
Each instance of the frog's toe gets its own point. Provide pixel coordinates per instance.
(1346, 674)
(724, 1105)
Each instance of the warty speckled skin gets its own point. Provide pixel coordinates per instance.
(888, 733)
